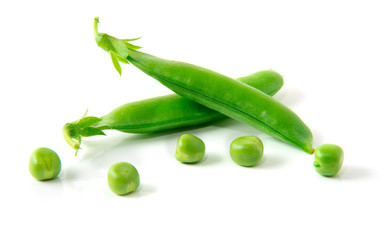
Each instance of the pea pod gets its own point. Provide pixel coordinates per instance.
(213, 90)
(161, 113)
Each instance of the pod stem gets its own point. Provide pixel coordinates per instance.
(71, 137)
(84, 127)
(117, 48)
(96, 32)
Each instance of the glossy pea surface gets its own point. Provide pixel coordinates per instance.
(247, 151)
(190, 149)
(123, 178)
(328, 159)
(44, 164)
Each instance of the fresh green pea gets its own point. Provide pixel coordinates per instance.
(213, 90)
(328, 159)
(247, 151)
(123, 178)
(44, 164)
(190, 149)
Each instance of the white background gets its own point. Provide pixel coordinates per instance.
(332, 56)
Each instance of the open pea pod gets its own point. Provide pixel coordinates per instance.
(217, 92)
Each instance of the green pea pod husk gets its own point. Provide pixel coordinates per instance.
(160, 113)
(217, 92)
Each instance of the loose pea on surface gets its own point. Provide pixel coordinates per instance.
(44, 164)
(123, 178)
(328, 159)
(190, 149)
(247, 151)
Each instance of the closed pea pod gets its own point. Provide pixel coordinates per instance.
(161, 113)
(215, 91)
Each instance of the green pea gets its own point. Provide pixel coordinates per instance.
(44, 164)
(123, 178)
(190, 149)
(247, 151)
(328, 159)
